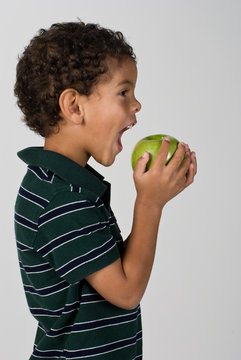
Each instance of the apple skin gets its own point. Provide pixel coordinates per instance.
(152, 144)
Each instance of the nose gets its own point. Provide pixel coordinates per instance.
(137, 106)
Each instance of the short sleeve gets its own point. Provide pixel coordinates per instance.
(74, 236)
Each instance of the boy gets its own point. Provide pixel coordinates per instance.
(75, 86)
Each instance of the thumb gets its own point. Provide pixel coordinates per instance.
(141, 163)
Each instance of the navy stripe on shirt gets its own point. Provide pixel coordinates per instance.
(64, 310)
(26, 222)
(38, 200)
(49, 290)
(63, 210)
(91, 298)
(35, 269)
(70, 236)
(74, 188)
(91, 255)
(41, 174)
(93, 325)
(23, 247)
(94, 351)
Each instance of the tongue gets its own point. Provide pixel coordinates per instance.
(119, 140)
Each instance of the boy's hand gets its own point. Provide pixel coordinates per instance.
(163, 182)
(123, 283)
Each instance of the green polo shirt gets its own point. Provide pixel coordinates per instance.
(65, 230)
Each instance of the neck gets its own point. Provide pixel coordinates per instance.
(70, 150)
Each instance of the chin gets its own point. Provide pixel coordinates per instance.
(106, 161)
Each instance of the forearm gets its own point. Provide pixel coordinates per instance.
(123, 282)
(138, 258)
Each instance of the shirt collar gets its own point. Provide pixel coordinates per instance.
(67, 169)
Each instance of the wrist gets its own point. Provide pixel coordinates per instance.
(146, 204)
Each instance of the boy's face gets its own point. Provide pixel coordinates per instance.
(109, 111)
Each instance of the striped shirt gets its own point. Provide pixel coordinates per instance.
(66, 230)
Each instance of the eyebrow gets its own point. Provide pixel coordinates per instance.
(124, 82)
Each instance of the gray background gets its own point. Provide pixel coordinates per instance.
(189, 57)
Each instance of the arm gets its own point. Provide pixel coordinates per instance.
(123, 283)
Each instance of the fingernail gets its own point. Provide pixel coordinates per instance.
(167, 139)
(144, 154)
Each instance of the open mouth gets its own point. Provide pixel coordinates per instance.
(122, 132)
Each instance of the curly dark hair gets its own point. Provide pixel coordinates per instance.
(67, 55)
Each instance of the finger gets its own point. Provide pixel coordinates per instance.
(141, 163)
(190, 175)
(185, 164)
(186, 147)
(194, 162)
(177, 158)
(162, 153)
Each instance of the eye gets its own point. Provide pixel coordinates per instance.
(123, 92)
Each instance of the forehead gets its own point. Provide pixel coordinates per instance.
(121, 71)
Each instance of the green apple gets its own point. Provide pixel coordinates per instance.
(152, 144)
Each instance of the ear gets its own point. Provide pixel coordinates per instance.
(71, 106)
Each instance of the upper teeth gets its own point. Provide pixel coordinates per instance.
(130, 126)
